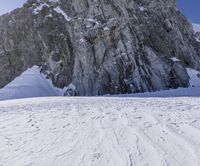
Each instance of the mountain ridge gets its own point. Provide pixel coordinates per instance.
(108, 47)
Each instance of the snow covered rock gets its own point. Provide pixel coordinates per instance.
(100, 47)
(194, 77)
(30, 83)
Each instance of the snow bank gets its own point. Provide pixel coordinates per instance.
(180, 92)
(31, 83)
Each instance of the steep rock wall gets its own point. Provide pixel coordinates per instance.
(100, 46)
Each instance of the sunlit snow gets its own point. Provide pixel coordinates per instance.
(100, 131)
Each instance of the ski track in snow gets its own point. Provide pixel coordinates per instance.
(100, 132)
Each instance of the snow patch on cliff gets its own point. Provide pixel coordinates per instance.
(174, 59)
(60, 11)
(39, 8)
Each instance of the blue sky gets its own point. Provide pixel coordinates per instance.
(190, 8)
(8, 5)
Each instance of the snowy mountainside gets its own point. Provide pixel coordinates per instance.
(30, 83)
(101, 47)
(192, 91)
(100, 131)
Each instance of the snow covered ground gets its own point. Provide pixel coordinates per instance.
(100, 131)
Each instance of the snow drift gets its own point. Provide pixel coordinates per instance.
(31, 83)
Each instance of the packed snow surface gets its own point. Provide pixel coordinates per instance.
(100, 131)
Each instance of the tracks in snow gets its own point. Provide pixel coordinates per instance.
(100, 132)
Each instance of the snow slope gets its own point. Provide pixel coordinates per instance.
(30, 83)
(100, 132)
(180, 92)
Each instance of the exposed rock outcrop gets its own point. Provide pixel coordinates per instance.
(100, 46)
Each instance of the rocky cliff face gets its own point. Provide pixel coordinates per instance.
(100, 46)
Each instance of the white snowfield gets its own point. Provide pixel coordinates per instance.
(100, 131)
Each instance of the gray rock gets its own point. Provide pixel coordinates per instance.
(100, 47)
